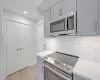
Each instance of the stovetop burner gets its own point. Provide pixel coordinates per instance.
(62, 61)
(63, 66)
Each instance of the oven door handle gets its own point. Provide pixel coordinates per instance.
(66, 78)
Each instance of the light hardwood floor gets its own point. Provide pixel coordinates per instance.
(25, 74)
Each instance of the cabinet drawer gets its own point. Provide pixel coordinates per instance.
(39, 59)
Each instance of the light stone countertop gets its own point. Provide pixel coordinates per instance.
(45, 53)
(87, 69)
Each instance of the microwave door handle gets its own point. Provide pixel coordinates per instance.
(67, 24)
(75, 22)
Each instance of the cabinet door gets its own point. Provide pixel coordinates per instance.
(99, 15)
(87, 13)
(40, 74)
(68, 6)
(47, 18)
(75, 77)
(55, 12)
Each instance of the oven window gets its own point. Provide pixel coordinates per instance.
(57, 26)
(49, 75)
(70, 23)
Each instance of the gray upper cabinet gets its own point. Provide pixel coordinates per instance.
(87, 17)
(47, 18)
(68, 6)
(55, 12)
(62, 8)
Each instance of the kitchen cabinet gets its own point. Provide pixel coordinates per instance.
(40, 69)
(87, 17)
(47, 18)
(88, 23)
(62, 8)
(68, 6)
(56, 11)
(76, 77)
(99, 15)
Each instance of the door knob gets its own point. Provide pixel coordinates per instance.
(21, 49)
(17, 49)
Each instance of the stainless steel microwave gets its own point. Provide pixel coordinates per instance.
(65, 26)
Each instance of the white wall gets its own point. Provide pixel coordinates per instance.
(1, 43)
(51, 43)
(40, 35)
(40, 21)
(86, 47)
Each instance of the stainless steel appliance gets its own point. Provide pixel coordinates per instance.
(59, 66)
(59, 27)
(72, 23)
(66, 26)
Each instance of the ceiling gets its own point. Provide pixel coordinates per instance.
(19, 6)
(33, 8)
(45, 4)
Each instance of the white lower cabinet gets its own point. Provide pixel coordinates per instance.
(75, 77)
(40, 74)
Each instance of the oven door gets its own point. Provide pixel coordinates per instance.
(50, 74)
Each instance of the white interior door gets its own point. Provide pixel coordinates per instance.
(17, 46)
(40, 37)
(24, 53)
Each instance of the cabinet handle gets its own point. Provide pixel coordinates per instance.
(44, 46)
(96, 26)
(59, 12)
(42, 70)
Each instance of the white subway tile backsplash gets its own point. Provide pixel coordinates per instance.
(51, 44)
(86, 47)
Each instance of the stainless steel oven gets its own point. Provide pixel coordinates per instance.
(53, 73)
(59, 66)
